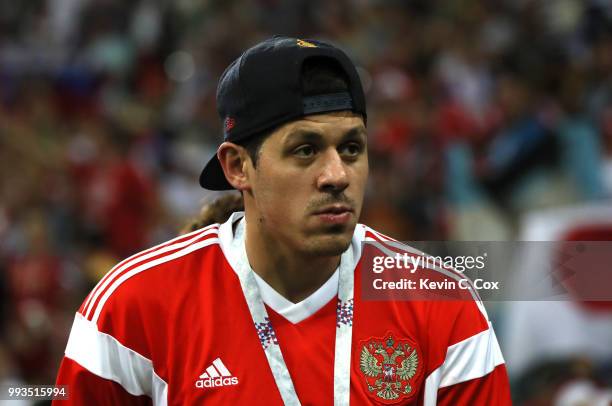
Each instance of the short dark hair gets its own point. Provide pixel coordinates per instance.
(320, 75)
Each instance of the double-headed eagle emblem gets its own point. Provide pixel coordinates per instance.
(388, 368)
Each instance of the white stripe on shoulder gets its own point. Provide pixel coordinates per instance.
(104, 356)
(384, 247)
(472, 358)
(381, 235)
(177, 254)
(163, 248)
(139, 254)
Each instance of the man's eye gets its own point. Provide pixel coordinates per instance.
(352, 149)
(305, 151)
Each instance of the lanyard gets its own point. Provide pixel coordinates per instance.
(267, 336)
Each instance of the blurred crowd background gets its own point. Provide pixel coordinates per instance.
(481, 114)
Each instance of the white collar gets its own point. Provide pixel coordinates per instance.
(294, 312)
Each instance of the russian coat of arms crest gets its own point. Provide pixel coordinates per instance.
(389, 367)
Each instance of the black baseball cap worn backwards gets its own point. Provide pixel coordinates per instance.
(263, 89)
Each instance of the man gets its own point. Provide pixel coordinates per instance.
(266, 308)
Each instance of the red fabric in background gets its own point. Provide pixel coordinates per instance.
(593, 232)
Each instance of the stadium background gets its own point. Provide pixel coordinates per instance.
(482, 114)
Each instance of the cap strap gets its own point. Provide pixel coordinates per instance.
(327, 102)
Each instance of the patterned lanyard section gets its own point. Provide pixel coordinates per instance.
(267, 336)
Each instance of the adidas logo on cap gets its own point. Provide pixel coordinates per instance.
(215, 376)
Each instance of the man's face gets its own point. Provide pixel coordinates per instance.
(308, 185)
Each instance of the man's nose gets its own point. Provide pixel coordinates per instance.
(333, 177)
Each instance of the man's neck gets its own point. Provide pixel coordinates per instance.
(293, 275)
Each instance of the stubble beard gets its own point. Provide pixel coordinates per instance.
(330, 244)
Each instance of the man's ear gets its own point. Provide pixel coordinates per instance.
(234, 160)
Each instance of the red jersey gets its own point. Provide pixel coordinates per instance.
(171, 326)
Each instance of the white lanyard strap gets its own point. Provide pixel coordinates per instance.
(344, 331)
(268, 339)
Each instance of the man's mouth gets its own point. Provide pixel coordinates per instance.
(335, 214)
(335, 209)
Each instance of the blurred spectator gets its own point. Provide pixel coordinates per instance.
(479, 112)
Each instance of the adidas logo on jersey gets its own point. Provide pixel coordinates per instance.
(216, 375)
